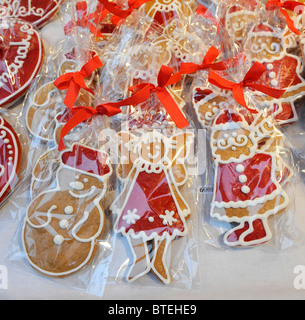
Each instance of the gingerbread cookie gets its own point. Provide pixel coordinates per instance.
(21, 53)
(267, 45)
(10, 158)
(248, 185)
(62, 224)
(36, 12)
(151, 208)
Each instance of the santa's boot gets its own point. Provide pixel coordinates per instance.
(248, 234)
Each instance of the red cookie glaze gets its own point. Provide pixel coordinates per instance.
(10, 158)
(36, 12)
(21, 52)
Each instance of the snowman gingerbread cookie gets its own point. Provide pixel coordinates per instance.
(62, 225)
(249, 181)
(151, 210)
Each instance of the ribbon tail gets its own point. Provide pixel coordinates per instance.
(189, 68)
(78, 117)
(91, 66)
(172, 108)
(290, 22)
(72, 94)
(275, 93)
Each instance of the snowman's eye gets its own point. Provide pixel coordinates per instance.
(76, 177)
(86, 180)
(157, 147)
(148, 148)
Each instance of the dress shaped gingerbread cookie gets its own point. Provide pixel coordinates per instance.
(62, 224)
(36, 12)
(151, 208)
(21, 53)
(248, 181)
(267, 45)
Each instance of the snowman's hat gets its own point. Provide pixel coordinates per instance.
(87, 160)
(228, 120)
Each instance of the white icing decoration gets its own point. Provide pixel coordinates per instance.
(274, 82)
(242, 179)
(151, 219)
(63, 224)
(245, 189)
(76, 185)
(68, 210)
(272, 75)
(131, 216)
(240, 168)
(58, 240)
(168, 218)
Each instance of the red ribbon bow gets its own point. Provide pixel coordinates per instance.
(84, 19)
(74, 81)
(288, 5)
(237, 88)
(121, 13)
(165, 78)
(208, 63)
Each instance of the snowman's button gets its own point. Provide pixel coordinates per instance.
(243, 179)
(63, 224)
(68, 210)
(151, 219)
(58, 240)
(270, 66)
(240, 168)
(245, 189)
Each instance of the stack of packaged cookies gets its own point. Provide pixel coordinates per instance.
(125, 124)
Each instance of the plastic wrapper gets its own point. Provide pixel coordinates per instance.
(35, 12)
(21, 59)
(154, 208)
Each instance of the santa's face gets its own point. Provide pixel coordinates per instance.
(228, 144)
(79, 185)
(238, 24)
(264, 47)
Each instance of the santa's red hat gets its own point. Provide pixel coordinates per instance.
(263, 27)
(228, 120)
(86, 160)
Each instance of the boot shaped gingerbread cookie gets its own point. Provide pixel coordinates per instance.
(62, 224)
(151, 209)
(248, 186)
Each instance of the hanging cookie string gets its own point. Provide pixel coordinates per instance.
(237, 89)
(295, 6)
(75, 81)
(209, 63)
(87, 20)
(118, 12)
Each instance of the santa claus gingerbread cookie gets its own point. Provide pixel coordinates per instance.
(21, 53)
(151, 208)
(36, 12)
(62, 224)
(267, 45)
(248, 185)
(10, 158)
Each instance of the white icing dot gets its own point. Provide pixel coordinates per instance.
(63, 224)
(214, 103)
(240, 168)
(58, 240)
(6, 140)
(215, 110)
(77, 177)
(86, 180)
(272, 75)
(243, 179)
(270, 66)
(151, 219)
(9, 146)
(274, 82)
(226, 136)
(69, 210)
(11, 152)
(233, 148)
(245, 189)
(234, 134)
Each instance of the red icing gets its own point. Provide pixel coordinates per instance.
(151, 196)
(22, 53)
(86, 160)
(227, 117)
(10, 152)
(258, 171)
(36, 12)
